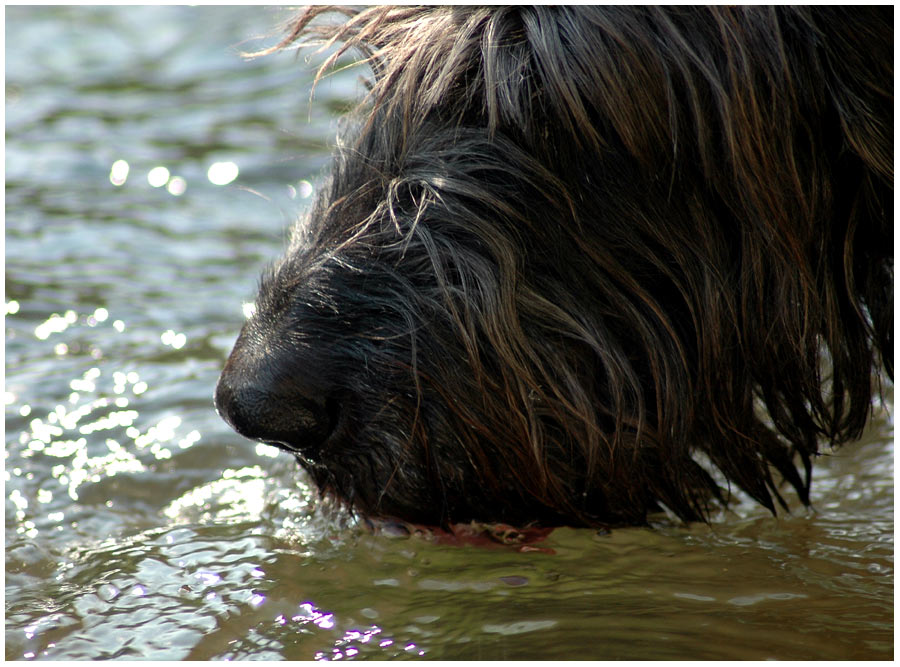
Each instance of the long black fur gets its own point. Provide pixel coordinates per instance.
(565, 253)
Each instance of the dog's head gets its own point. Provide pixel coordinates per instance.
(560, 250)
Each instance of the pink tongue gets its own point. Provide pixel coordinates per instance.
(487, 535)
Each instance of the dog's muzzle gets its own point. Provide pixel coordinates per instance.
(273, 411)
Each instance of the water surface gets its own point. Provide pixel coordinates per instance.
(139, 526)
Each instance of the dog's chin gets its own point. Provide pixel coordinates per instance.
(300, 453)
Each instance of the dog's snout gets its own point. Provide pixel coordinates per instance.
(273, 410)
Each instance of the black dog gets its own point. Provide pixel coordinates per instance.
(570, 259)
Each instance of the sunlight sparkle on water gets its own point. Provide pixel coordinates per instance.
(222, 173)
(118, 173)
(158, 177)
(173, 339)
(55, 324)
(177, 185)
(303, 190)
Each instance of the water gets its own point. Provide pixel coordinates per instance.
(139, 526)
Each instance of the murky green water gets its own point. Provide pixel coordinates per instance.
(139, 526)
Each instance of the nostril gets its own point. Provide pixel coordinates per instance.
(278, 415)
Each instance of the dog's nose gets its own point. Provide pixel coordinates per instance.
(270, 408)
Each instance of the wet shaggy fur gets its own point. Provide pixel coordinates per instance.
(571, 259)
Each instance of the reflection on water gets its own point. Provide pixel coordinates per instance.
(150, 175)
